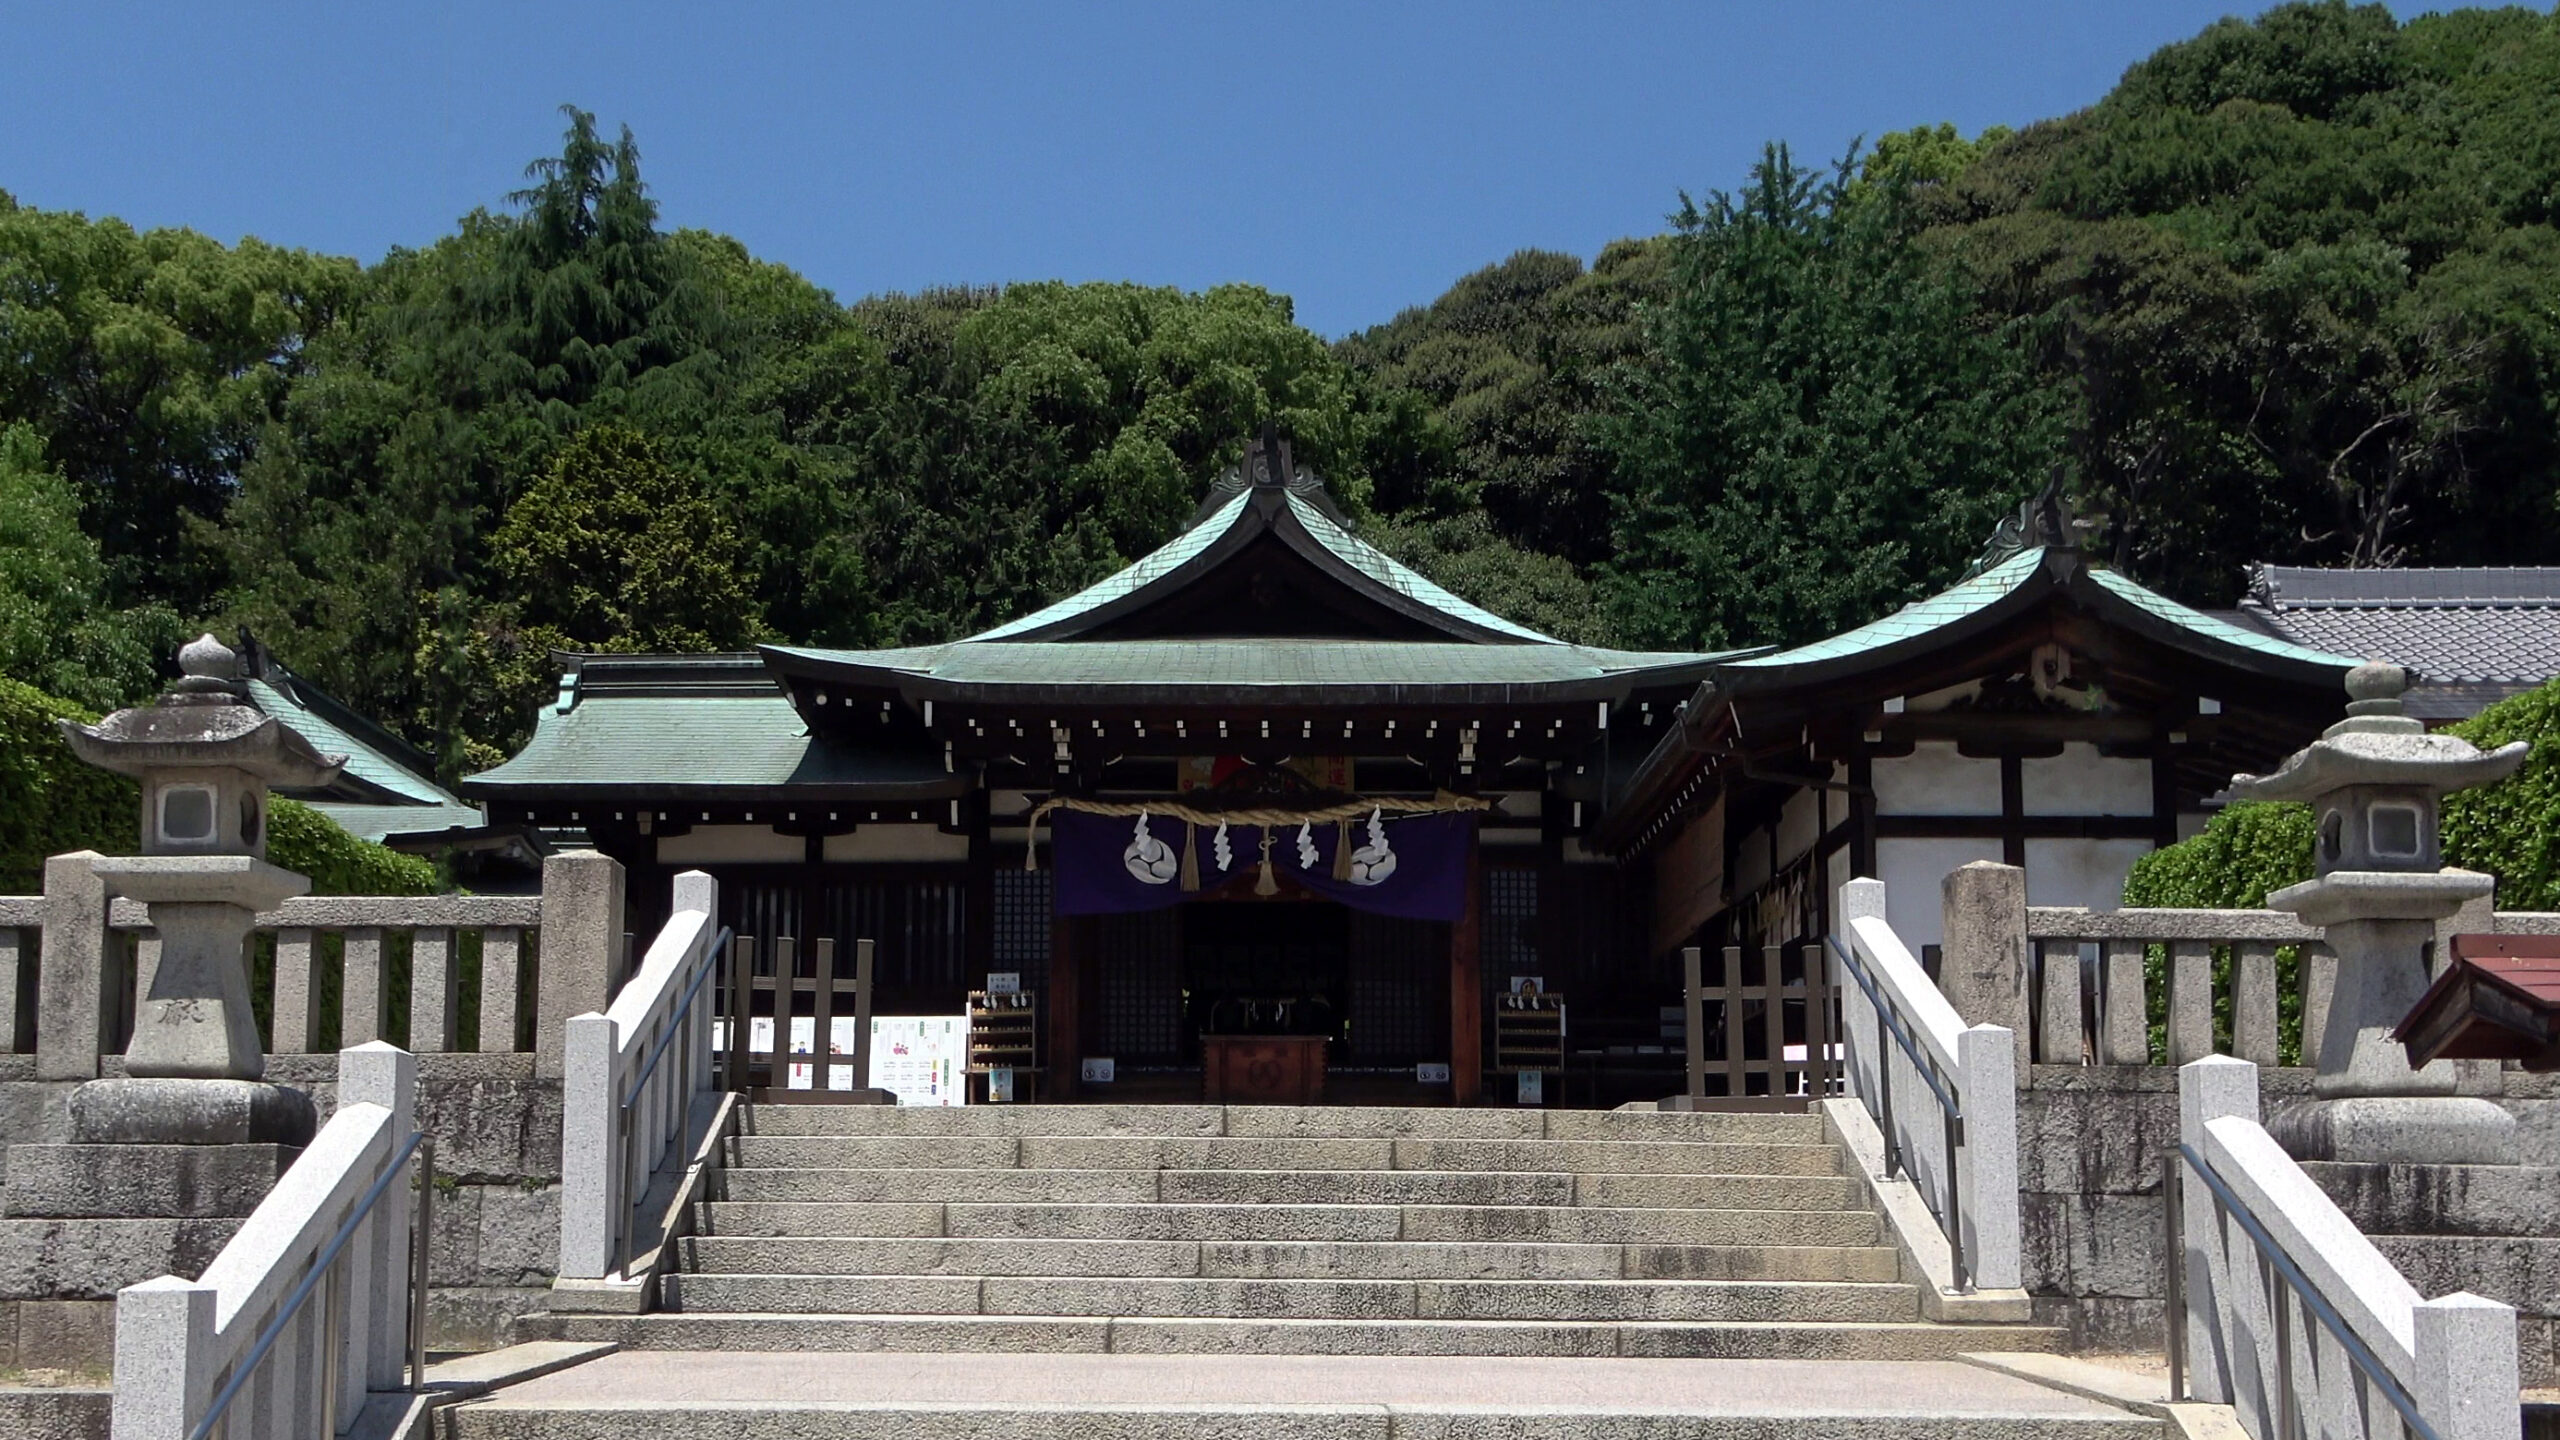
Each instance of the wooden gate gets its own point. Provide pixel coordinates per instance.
(1763, 1026)
(776, 978)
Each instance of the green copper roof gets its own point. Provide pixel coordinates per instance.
(373, 822)
(661, 742)
(364, 762)
(1375, 563)
(1154, 566)
(1917, 618)
(2206, 625)
(1255, 664)
(1971, 597)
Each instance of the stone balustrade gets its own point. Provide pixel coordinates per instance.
(182, 1346)
(330, 971)
(2292, 1316)
(1943, 1096)
(634, 1074)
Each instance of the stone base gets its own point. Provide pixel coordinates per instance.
(119, 1182)
(190, 1112)
(2395, 1129)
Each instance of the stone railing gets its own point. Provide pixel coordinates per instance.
(634, 1076)
(309, 1309)
(332, 971)
(2078, 985)
(1942, 1096)
(2283, 1310)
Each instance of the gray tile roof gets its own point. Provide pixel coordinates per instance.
(705, 743)
(2487, 626)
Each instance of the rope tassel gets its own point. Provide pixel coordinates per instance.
(1190, 856)
(1268, 884)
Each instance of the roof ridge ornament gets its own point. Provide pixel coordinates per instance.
(2043, 523)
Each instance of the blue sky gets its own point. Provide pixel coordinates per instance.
(1357, 157)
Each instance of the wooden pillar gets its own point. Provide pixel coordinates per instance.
(1066, 1017)
(1466, 986)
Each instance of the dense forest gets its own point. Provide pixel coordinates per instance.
(2291, 291)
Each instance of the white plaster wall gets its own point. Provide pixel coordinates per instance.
(2080, 781)
(1912, 871)
(1799, 824)
(2191, 823)
(731, 845)
(2081, 872)
(893, 843)
(1934, 780)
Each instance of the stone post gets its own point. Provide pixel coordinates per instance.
(2208, 1089)
(2465, 1348)
(71, 974)
(1982, 964)
(164, 1358)
(377, 1336)
(582, 894)
(1986, 1059)
(590, 1140)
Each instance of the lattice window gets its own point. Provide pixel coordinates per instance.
(920, 934)
(1139, 959)
(1021, 941)
(1399, 1010)
(1511, 925)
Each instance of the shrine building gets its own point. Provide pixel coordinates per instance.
(1267, 782)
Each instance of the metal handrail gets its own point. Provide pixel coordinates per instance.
(1951, 1215)
(650, 1064)
(422, 1145)
(2368, 1366)
(635, 1192)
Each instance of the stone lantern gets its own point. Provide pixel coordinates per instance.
(205, 758)
(2376, 782)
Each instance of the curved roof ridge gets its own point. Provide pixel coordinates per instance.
(1378, 565)
(1136, 576)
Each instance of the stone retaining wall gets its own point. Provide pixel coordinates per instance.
(497, 1220)
(2091, 1144)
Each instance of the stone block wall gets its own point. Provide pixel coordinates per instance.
(2092, 1141)
(497, 1218)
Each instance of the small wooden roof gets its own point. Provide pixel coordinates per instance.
(2498, 999)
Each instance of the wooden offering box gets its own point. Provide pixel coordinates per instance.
(1262, 1069)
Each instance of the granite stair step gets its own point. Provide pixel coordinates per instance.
(1172, 1335)
(683, 1396)
(1326, 1299)
(1284, 1122)
(1508, 1224)
(1293, 1187)
(1128, 1152)
(1280, 1259)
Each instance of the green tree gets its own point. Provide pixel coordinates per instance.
(1829, 426)
(57, 632)
(149, 363)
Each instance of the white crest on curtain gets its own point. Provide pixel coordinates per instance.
(1375, 861)
(1149, 859)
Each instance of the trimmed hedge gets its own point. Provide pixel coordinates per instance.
(51, 802)
(2507, 829)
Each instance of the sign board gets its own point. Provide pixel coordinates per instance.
(1533, 1087)
(1098, 1070)
(1428, 1073)
(1000, 1085)
(1004, 982)
(922, 1059)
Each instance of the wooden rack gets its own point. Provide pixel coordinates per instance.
(1528, 1033)
(1004, 1034)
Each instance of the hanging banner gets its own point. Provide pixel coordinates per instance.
(1414, 866)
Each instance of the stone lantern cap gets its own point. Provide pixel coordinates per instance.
(204, 721)
(2378, 745)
